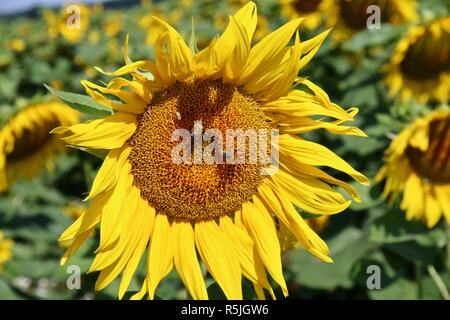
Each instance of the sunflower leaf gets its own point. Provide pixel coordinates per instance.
(80, 102)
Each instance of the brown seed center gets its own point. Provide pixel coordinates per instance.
(434, 163)
(31, 141)
(354, 13)
(306, 6)
(194, 191)
(427, 57)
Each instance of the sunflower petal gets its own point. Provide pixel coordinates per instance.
(186, 262)
(161, 252)
(219, 258)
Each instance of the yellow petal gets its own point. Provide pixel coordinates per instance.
(160, 256)
(143, 223)
(186, 262)
(89, 219)
(251, 263)
(107, 175)
(219, 258)
(261, 228)
(315, 154)
(107, 133)
(267, 51)
(286, 212)
(179, 61)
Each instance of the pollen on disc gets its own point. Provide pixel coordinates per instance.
(194, 191)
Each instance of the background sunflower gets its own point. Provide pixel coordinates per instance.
(396, 76)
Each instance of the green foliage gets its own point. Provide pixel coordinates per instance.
(81, 102)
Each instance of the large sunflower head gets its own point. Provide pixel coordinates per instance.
(5, 250)
(183, 198)
(309, 9)
(348, 17)
(26, 146)
(418, 164)
(420, 65)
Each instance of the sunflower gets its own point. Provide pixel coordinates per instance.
(5, 250)
(348, 17)
(150, 25)
(427, 46)
(418, 164)
(309, 9)
(226, 213)
(71, 22)
(113, 24)
(25, 143)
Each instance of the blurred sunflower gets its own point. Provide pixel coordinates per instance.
(226, 213)
(5, 250)
(151, 26)
(427, 46)
(17, 44)
(73, 210)
(348, 17)
(113, 24)
(308, 9)
(287, 239)
(418, 164)
(25, 143)
(71, 22)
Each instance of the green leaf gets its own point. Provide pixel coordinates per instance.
(100, 153)
(82, 103)
(371, 38)
(347, 247)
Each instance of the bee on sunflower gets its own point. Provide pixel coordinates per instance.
(226, 214)
(26, 145)
(418, 164)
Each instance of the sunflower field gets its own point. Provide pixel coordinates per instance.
(93, 95)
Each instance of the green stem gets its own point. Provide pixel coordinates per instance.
(438, 281)
(418, 271)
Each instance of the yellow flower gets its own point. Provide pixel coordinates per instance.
(5, 250)
(17, 44)
(25, 143)
(347, 17)
(418, 164)
(143, 198)
(420, 65)
(262, 28)
(113, 24)
(318, 224)
(151, 26)
(309, 9)
(71, 23)
(74, 210)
